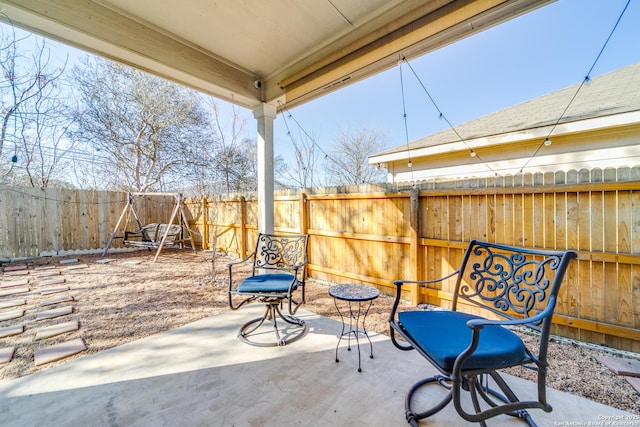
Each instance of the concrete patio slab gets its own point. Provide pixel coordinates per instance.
(202, 375)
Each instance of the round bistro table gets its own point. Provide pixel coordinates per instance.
(359, 299)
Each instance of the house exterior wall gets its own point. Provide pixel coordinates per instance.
(603, 148)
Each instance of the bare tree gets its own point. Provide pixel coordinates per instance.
(33, 111)
(348, 159)
(144, 128)
(235, 155)
(306, 159)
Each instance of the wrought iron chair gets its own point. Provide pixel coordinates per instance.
(278, 271)
(515, 287)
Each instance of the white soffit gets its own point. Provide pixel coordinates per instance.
(297, 50)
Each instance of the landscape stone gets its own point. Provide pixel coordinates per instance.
(50, 291)
(17, 273)
(635, 382)
(68, 261)
(58, 351)
(55, 281)
(11, 283)
(15, 268)
(53, 330)
(56, 299)
(12, 303)
(8, 331)
(49, 273)
(44, 267)
(6, 353)
(8, 315)
(620, 366)
(13, 291)
(54, 312)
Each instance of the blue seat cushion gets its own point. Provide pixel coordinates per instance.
(443, 335)
(278, 282)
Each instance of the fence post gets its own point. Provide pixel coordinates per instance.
(243, 228)
(414, 257)
(304, 214)
(304, 222)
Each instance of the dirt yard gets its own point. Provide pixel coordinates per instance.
(131, 297)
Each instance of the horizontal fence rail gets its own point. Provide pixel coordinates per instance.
(377, 235)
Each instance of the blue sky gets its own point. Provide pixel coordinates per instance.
(535, 54)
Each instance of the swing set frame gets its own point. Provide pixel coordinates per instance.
(129, 209)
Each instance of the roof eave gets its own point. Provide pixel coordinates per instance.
(585, 125)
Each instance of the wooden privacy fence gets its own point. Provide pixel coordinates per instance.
(376, 237)
(37, 222)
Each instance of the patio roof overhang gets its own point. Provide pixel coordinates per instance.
(261, 55)
(294, 51)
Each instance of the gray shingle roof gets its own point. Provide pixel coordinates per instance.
(612, 93)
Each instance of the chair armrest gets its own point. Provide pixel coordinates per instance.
(394, 309)
(425, 282)
(242, 261)
(300, 264)
(481, 323)
(476, 325)
(399, 284)
(233, 264)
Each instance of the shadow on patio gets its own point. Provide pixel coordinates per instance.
(202, 374)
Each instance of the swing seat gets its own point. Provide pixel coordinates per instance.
(150, 236)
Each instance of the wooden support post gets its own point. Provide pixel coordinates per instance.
(184, 223)
(115, 230)
(176, 208)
